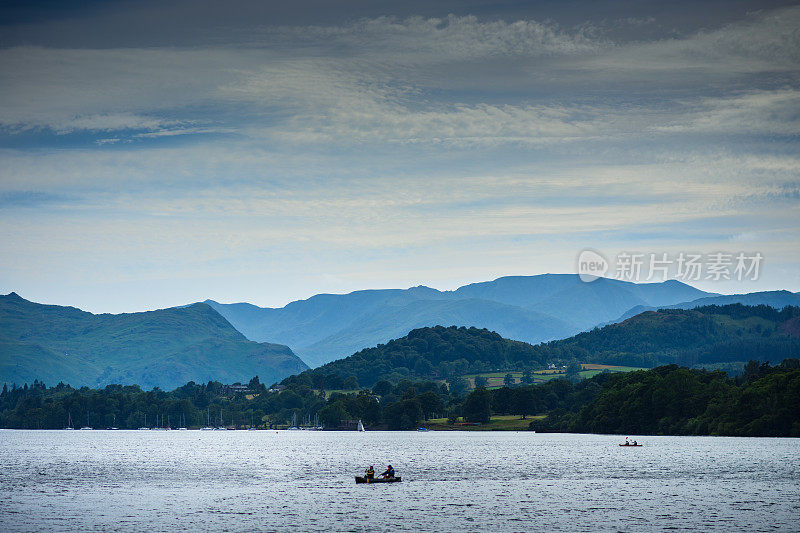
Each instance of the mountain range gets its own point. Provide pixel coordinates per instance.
(164, 348)
(532, 309)
(708, 335)
(233, 342)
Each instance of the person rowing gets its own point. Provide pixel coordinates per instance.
(370, 472)
(389, 472)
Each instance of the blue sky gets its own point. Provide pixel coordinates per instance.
(158, 153)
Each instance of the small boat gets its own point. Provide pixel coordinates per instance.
(360, 426)
(360, 479)
(422, 429)
(631, 445)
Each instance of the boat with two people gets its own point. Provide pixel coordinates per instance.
(629, 443)
(387, 477)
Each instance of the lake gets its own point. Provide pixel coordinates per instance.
(452, 481)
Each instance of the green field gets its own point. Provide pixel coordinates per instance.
(495, 379)
(496, 423)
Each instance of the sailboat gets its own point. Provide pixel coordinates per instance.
(144, 427)
(183, 423)
(87, 426)
(360, 426)
(208, 421)
(69, 423)
(294, 422)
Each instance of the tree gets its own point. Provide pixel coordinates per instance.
(331, 415)
(477, 406)
(405, 414)
(382, 388)
(524, 401)
(458, 386)
(430, 403)
(481, 381)
(527, 376)
(573, 371)
(423, 367)
(508, 380)
(350, 383)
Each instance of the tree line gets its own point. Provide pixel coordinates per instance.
(671, 400)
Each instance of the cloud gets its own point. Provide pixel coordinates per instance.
(407, 80)
(28, 199)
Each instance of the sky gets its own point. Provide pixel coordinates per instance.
(154, 154)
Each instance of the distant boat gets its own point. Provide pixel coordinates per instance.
(87, 426)
(422, 429)
(69, 423)
(360, 426)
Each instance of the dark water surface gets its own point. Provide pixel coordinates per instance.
(303, 481)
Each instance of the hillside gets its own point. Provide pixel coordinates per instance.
(776, 299)
(163, 348)
(710, 334)
(532, 309)
(423, 354)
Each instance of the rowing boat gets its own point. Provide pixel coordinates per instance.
(360, 479)
(630, 445)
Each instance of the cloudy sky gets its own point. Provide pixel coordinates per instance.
(158, 153)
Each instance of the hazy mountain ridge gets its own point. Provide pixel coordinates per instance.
(164, 348)
(532, 309)
(776, 299)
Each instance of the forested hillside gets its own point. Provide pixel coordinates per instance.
(710, 334)
(423, 354)
(164, 348)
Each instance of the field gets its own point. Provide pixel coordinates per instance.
(496, 379)
(496, 423)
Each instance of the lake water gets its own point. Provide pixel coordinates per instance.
(460, 481)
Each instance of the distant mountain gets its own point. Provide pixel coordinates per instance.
(703, 335)
(776, 299)
(164, 348)
(581, 304)
(532, 309)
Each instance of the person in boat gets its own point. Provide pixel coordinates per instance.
(634, 443)
(370, 472)
(626, 442)
(389, 472)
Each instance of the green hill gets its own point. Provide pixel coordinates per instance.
(703, 335)
(164, 348)
(422, 354)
